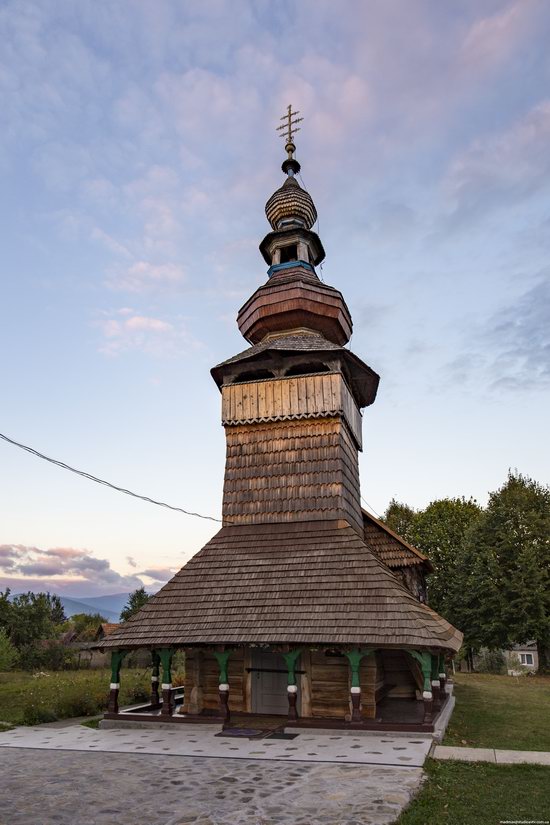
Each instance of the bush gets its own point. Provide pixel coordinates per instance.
(79, 693)
(8, 654)
(491, 661)
(51, 655)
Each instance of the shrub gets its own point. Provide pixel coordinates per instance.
(8, 653)
(47, 655)
(79, 693)
(491, 661)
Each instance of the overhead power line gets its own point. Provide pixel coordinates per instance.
(371, 508)
(90, 477)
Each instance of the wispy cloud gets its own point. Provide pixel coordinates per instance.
(61, 569)
(511, 351)
(501, 169)
(125, 330)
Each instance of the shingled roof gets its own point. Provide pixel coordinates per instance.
(391, 548)
(300, 583)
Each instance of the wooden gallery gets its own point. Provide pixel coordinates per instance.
(303, 608)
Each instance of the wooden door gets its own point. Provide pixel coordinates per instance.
(269, 683)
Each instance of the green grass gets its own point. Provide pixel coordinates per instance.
(475, 793)
(28, 699)
(501, 712)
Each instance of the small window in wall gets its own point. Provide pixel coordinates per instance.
(289, 253)
(307, 369)
(526, 658)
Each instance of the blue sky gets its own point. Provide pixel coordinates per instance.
(137, 150)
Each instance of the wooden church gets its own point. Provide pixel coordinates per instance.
(303, 607)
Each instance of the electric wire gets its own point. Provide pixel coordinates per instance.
(364, 500)
(102, 481)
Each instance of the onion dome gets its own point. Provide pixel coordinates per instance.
(290, 206)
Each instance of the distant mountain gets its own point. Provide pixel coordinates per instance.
(109, 606)
(103, 604)
(73, 606)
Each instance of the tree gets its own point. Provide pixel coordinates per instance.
(400, 518)
(85, 625)
(8, 653)
(136, 600)
(515, 533)
(440, 531)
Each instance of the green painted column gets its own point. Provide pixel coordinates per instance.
(223, 684)
(155, 673)
(424, 659)
(435, 682)
(165, 655)
(117, 657)
(355, 658)
(291, 659)
(442, 675)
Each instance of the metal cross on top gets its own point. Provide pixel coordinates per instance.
(289, 129)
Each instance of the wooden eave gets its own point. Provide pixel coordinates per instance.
(412, 557)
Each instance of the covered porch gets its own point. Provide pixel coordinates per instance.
(276, 687)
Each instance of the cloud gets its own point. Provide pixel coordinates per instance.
(160, 574)
(143, 275)
(491, 40)
(61, 569)
(511, 352)
(132, 562)
(501, 169)
(124, 330)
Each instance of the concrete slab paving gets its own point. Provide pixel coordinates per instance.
(57, 787)
(464, 754)
(186, 740)
(504, 757)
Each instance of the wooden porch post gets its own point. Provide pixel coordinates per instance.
(442, 676)
(435, 683)
(116, 661)
(165, 656)
(425, 661)
(292, 689)
(223, 685)
(354, 658)
(155, 698)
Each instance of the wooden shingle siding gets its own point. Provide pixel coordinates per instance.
(279, 399)
(290, 470)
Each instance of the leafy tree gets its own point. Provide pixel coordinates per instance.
(8, 653)
(85, 625)
(400, 518)
(5, 609)
(57, 610)
(136, 600)
(440, 531)
(515, 533)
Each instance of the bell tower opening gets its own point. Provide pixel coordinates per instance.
(289, 253)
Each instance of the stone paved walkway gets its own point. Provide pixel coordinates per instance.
(202, 740)
(56, 787)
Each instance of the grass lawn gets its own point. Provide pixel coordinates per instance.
(30, 699)
(501, 712)
(475, 793)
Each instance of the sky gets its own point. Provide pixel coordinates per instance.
(137, 150)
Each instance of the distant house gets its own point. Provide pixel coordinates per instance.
(525, 656)
(105, 629)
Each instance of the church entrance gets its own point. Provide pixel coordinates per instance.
(269, 683)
